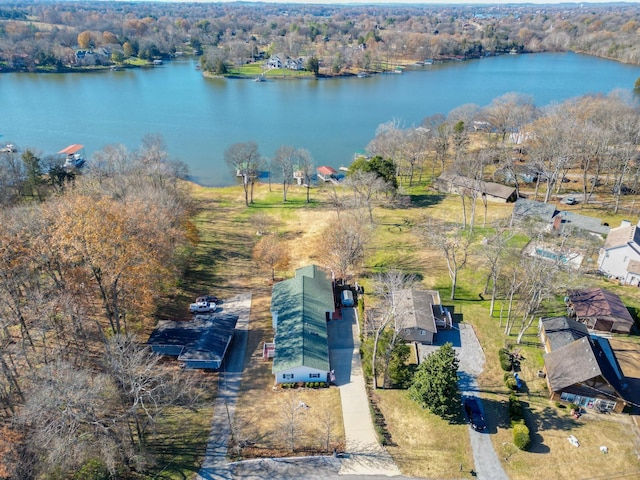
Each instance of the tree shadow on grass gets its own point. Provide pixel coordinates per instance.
(426, 200)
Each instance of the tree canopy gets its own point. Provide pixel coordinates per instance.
(435, 383)
(384, 168)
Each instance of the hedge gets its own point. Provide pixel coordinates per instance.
(516, 414)
(521, 436)
(505, 359)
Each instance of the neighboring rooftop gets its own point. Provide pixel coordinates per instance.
(597, 303)
(582, 222)
(416, 308)
(622, 235)
(561, 331)
(204, 339)
(582, 360)
(524, 208)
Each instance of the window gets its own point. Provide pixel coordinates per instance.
(567, 397)
(287, 376)
(314, 375)
(423, 332)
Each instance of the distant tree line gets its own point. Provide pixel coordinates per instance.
(45, 35)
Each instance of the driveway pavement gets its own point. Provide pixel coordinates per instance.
(365, 456)
(215, 464)
(472, 360)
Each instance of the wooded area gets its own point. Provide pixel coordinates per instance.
(81, 274)
(48, 36)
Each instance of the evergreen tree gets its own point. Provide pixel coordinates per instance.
(435, 384)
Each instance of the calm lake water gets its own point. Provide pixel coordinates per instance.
(332, 118)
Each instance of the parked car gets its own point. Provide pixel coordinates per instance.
(346, 298)
(202, 307)
(472, 409)
(570, 200)
(207, 299)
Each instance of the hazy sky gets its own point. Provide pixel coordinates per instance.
(412, 2)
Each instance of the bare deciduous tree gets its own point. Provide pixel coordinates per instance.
(343, 245)
(244, 160)
(454, 244)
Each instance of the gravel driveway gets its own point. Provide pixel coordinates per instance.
(472, 360)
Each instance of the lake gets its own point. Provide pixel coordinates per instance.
(332, 118)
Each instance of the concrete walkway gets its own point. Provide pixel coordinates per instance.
(215, 464)
(364, 455)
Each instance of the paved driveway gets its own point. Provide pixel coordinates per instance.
(472, 360)
(364, 454)
(215, 464)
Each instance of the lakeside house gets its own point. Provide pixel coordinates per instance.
(326, 174)
(579, 368)
(620, 256)
(495, 192)
(300, 308)
(599, 309)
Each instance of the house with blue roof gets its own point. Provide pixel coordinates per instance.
(300, 308)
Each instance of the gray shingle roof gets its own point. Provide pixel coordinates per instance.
(581, 361)
(561, 331)
(490, 188)
(205, 338)
(415, 308)
(524, 208)
(301, 333)
(583, 222)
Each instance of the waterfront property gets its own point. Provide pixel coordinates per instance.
(495, 192)
(620, 256)
(581, 369)
(599, 309)
(421, 314)
(300, 308)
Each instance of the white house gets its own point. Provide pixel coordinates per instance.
(300, 308)
(620, 256)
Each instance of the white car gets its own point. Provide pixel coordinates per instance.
(202, 307)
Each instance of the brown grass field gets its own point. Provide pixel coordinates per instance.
(422, 444)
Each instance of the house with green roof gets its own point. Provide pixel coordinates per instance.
(300, 308)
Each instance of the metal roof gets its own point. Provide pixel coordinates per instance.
(71, 149)
(301, 304)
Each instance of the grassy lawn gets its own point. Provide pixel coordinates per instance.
(180, 439)
(422, 444)
(256, 69)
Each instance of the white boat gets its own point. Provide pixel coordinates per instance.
(8, 148)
